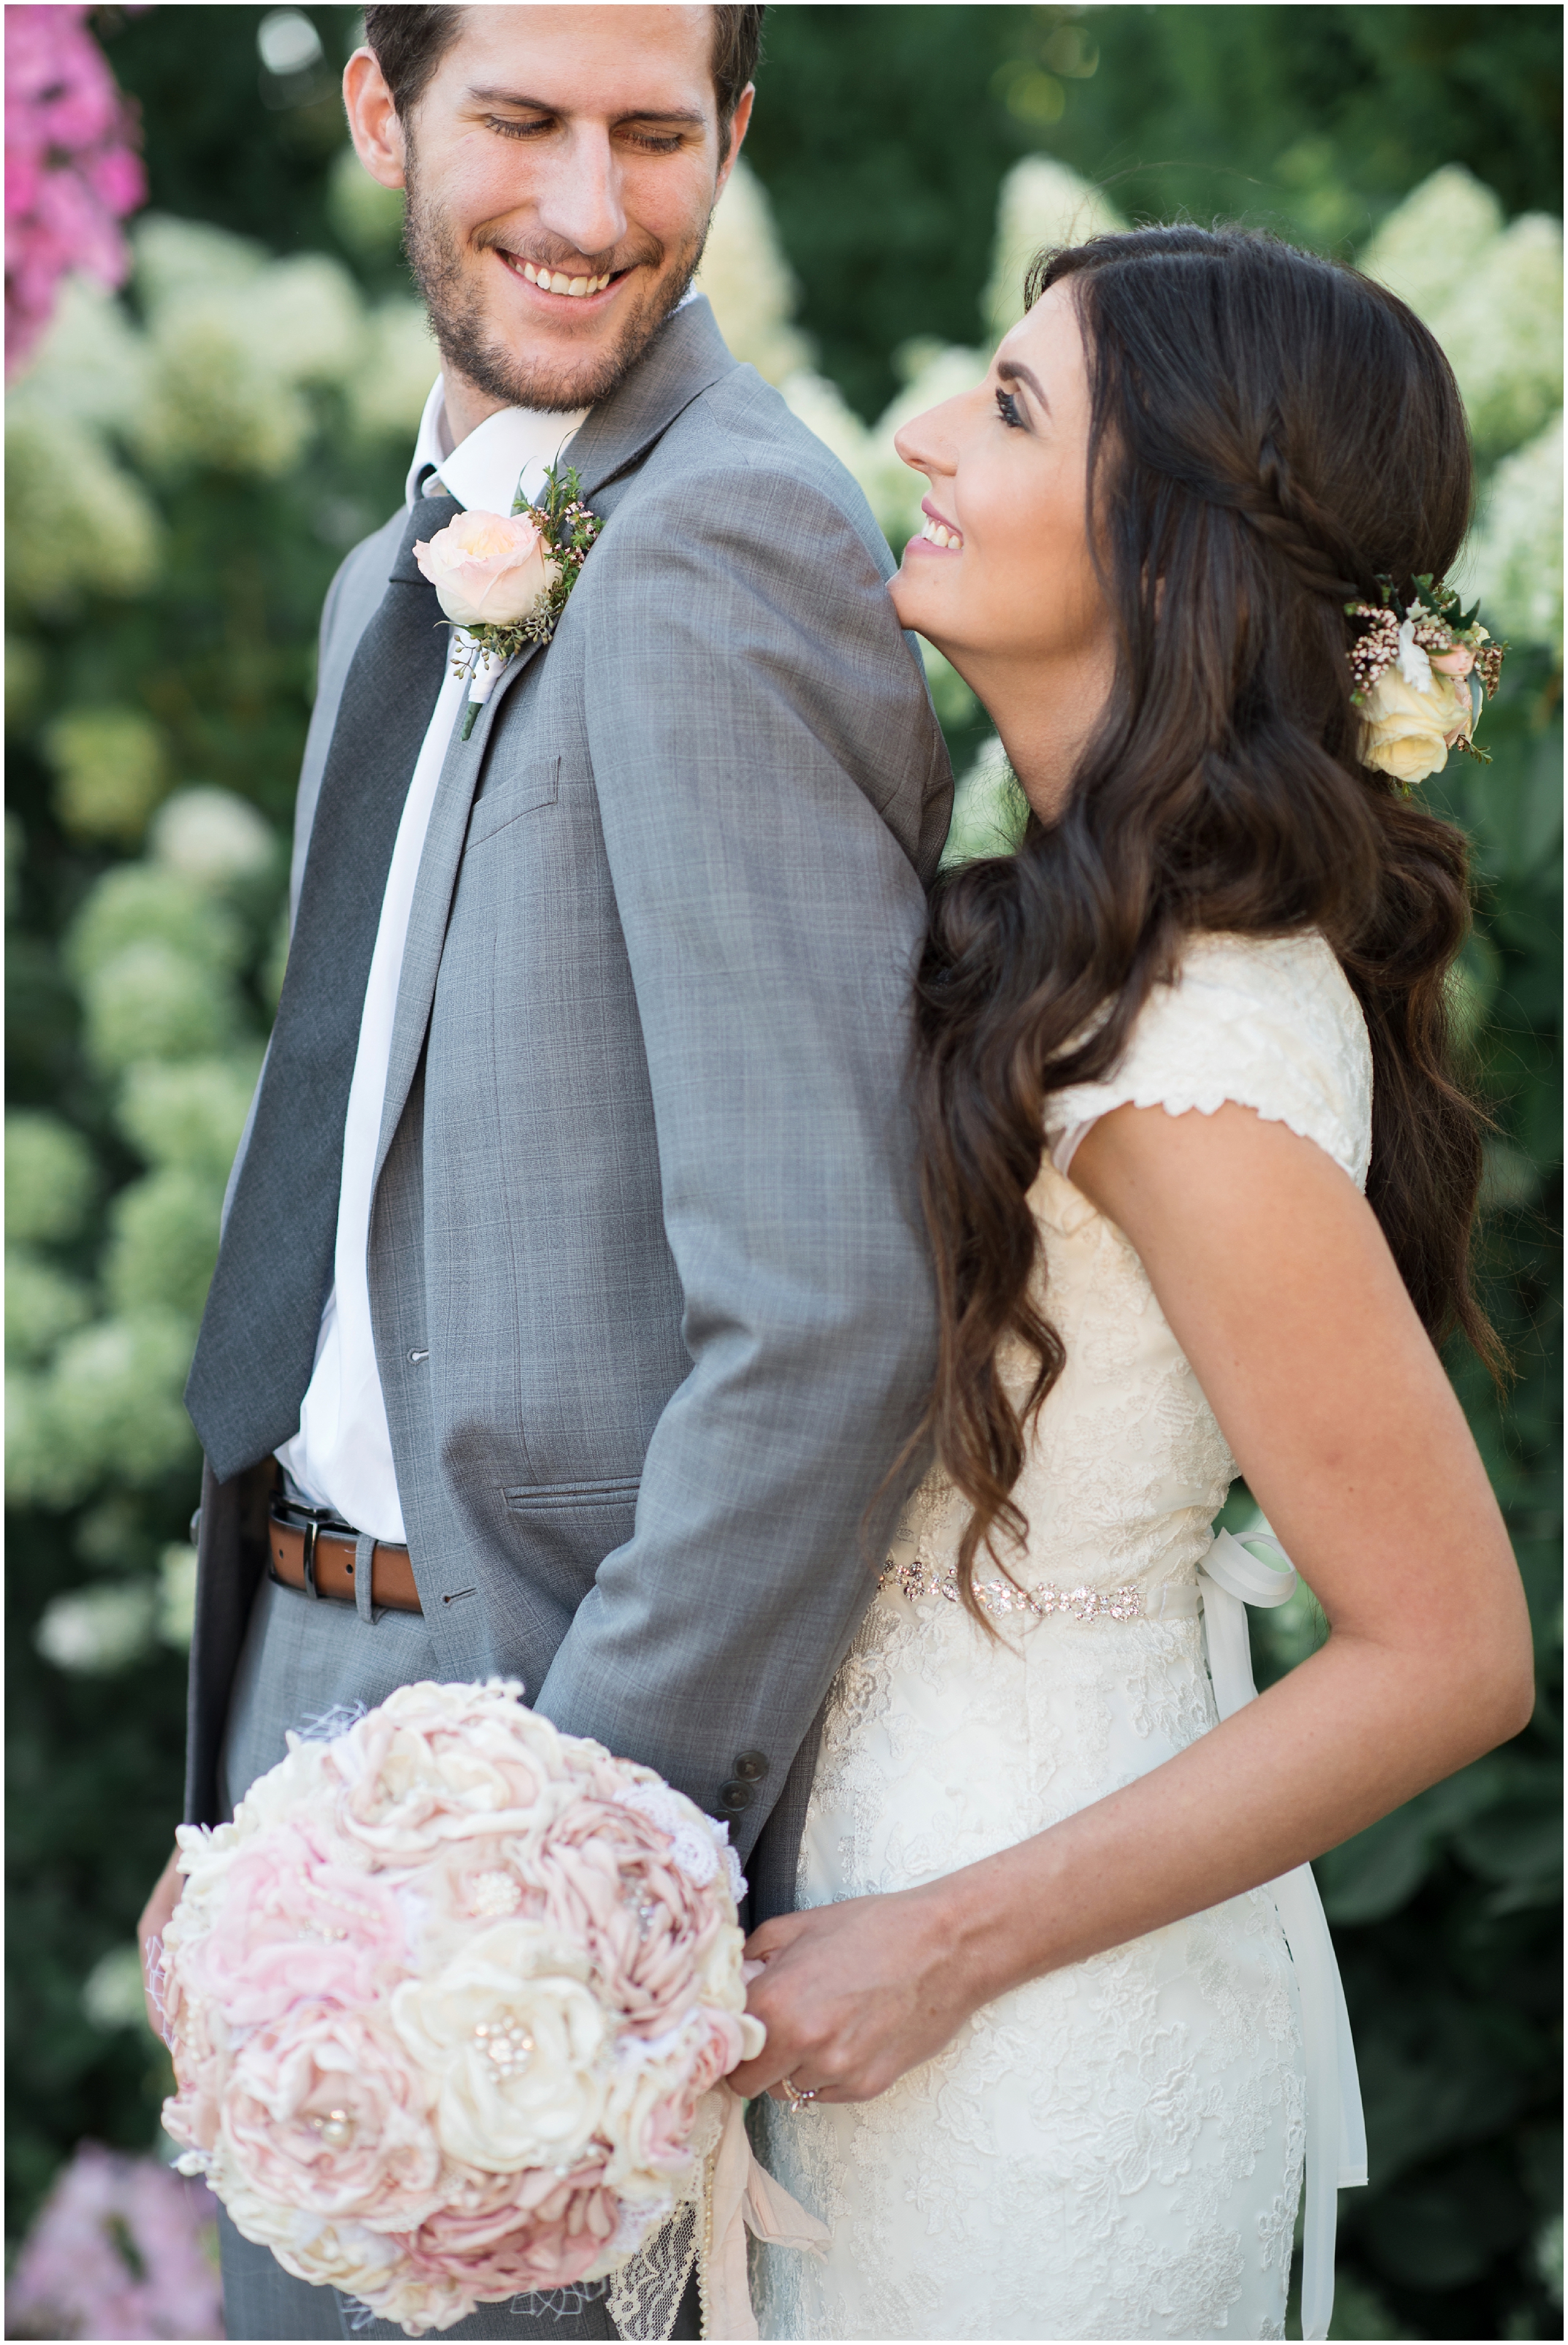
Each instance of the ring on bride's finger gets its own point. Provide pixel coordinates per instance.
(793, 2095)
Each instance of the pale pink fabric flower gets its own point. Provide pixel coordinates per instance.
(537, 2230)
(487, 569)
(321, 2111)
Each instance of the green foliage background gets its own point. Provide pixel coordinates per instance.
(883, 136)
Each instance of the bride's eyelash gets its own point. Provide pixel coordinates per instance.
(1007, 409)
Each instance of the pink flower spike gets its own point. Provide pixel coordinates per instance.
(72, 172)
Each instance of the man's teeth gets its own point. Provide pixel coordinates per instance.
(938, 533)
(557, 282)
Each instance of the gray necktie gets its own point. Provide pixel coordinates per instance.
(257, 1350)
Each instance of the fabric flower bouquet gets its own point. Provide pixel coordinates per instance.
(446, 2001)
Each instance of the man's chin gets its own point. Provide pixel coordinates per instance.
(557, 377)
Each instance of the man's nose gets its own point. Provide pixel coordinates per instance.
(581, 199)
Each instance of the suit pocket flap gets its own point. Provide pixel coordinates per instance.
(505, 796)
(530, 1497)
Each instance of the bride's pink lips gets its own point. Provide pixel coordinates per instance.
(918, 544)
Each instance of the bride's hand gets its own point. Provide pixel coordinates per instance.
(852, 1994)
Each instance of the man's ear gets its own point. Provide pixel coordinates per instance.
(738, 128)
(373, 124)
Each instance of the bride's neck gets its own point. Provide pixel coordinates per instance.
(1043, 717)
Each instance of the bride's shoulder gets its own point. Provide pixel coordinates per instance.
(1270, 1022)
(1292, 986)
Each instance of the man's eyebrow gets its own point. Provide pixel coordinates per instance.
(1009, 370)
(526, 105)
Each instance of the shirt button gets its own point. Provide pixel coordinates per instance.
(752, 1766)
(733, 1796)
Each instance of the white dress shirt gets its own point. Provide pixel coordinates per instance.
(341, 1457)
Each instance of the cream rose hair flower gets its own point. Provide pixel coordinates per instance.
(1420, 665)
(1408, 731)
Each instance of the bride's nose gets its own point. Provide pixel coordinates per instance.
(926, 444)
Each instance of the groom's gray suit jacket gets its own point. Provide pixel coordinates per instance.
(652, 1311)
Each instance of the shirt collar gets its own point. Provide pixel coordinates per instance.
(483, 472)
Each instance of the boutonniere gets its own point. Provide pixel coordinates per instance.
(502, 580)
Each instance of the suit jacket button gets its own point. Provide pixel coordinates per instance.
(733, 1796)
(752, 1766)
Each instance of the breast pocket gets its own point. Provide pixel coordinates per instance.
(505, 796)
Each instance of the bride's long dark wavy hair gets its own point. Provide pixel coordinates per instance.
(1271, 432)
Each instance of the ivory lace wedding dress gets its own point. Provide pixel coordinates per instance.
(1115, 2150)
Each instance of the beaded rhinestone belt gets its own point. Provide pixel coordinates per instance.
(912, 1579)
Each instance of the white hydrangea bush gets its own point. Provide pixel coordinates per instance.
(1436, 237)
(750, 283)
(111, 768)
(387, 391)
(97, 1364)
(75, 520)
(220, 363)
(212, 836)
(1043, 205)
(1513, 561)
(50, 1178)
(218, 359)
(1492, 294)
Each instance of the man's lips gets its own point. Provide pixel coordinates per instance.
(556, 288)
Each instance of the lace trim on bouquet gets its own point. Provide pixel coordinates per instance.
(645, 2293)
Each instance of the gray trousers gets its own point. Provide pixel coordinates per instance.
(261, 2299)
(301, 1661)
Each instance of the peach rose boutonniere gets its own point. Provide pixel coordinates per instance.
(502, 580)
(1423, 669)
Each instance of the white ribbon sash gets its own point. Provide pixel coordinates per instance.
(1228, 1579)
(743, 2196)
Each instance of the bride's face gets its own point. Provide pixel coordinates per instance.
(1002, 576)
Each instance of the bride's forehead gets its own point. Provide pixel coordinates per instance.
(1048, 340)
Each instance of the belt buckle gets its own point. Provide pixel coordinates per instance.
(312, 1530)
(295, 1516)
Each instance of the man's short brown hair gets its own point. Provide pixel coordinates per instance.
(408, 44)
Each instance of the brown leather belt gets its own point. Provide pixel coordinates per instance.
(317, 1561)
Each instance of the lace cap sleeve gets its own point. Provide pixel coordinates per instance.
(1267, 1022)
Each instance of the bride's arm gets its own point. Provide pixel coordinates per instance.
(1281, 1291)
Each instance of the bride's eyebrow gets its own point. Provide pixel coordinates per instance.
(1009, 370)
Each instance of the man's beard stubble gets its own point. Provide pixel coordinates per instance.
(456, 309)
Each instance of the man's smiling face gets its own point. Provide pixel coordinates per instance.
(561, 168)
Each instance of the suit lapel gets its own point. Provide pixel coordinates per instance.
(685, 359)
(688, 355)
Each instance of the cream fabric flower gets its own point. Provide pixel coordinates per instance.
(520, 2048)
